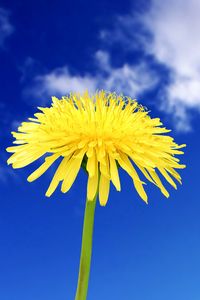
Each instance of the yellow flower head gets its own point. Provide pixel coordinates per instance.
(101, 132)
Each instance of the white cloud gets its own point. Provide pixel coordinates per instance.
(128, 79)
(6, 29)
(60, 81)
(168, 31)
(174, 26)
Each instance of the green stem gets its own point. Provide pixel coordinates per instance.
(86, 250)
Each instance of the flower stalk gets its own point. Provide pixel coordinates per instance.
(86, 250)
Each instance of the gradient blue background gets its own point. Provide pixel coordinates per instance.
(140, 251)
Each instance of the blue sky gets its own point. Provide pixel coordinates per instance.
(148, 50)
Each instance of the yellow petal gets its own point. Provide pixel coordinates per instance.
(128, 167)
(125, 163)
(174, 174)
(48, 162)
(92, 186)
(104, 167)
(17, 148)
(114, 173)
(158, 182)
(20, 153)
(139, 188)
(167, 177)
(104, 188)
(92, 165)
(143, 170)
(58, 176)
(27, 159)
(71, 173)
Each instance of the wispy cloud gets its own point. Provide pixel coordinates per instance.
(6, 172)
(6, 28)
(167, 32)
(60, 82)
(128, 79)
(175, 42)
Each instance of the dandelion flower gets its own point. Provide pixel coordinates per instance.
(103, 131)
(100, 133)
